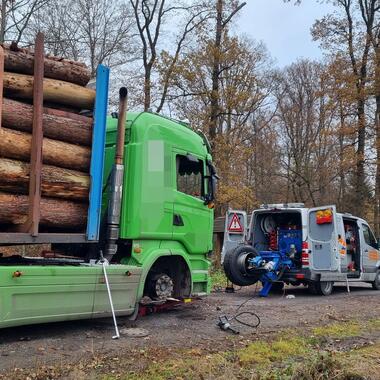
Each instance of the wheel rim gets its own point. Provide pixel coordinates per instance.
(242, 262)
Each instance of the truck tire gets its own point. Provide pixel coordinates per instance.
(376, 282)
(234, 262)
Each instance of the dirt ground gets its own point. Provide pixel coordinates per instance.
(189, 326)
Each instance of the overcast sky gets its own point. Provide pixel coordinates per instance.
(284, 28)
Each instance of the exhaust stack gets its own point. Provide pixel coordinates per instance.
(114, 205)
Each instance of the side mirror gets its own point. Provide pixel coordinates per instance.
(211, 184)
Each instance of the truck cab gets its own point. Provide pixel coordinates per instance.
(311, 246)
(166, 209)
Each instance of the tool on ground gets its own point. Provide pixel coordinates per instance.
(225, 325)
(224, 322)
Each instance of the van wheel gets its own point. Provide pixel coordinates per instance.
(324, 288)
(235, 263)
(376, 283)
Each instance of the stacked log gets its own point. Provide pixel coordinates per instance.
(66, 149)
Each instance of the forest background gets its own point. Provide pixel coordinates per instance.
(308, 132)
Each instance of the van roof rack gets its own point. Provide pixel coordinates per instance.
(281, 205)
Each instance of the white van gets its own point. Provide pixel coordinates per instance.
(318, 246)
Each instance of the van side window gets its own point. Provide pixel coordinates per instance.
(368, 236)
(190, 176)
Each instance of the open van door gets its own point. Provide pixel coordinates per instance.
(235, 230)
(322, 231)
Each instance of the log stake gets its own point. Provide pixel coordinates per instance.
(37, 137)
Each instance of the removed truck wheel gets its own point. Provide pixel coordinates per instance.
(236, 265)
(376, 283)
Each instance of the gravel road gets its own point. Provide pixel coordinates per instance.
(190, 325)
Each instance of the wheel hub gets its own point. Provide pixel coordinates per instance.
(163, 286)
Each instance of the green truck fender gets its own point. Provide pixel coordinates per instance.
(164, 258)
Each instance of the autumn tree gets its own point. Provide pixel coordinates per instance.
(151, 19)
(243, 92)
(348, 40)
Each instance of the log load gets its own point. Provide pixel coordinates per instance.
(55, 182)
(66, 145)
(22, 62)
(53, 212)
(17, 145)
(20, 86)
(58, 125)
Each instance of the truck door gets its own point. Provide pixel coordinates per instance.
(235, 230)
(323, 238)
(369, 251)
(192, 219)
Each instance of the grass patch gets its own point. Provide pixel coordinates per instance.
(374, 324)
(262, 352)
(338, 330)
(218, 278)
(187, 366)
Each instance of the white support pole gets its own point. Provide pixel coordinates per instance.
(117, 335)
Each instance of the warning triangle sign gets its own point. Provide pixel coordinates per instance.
(235, 225)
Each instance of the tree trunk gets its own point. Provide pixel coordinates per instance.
(20, 86)
(55, 182)
(58, 125)
(377, 130)
(361, 188)
(3, 20)
(22, 62)
(214, 101)
(54, 213)
(147, 87)
(15, 144)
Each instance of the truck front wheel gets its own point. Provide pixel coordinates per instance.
(376, 282)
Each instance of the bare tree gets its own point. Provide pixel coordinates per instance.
(94, 31)
(16, 16)
(370, 12)
(222, 21)
(306, 125)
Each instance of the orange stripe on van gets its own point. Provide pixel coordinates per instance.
(373, 255)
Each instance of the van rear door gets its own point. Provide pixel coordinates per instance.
(323, 238)
(235, 230)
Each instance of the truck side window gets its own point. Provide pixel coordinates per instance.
(368, 236)
(189, 176)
